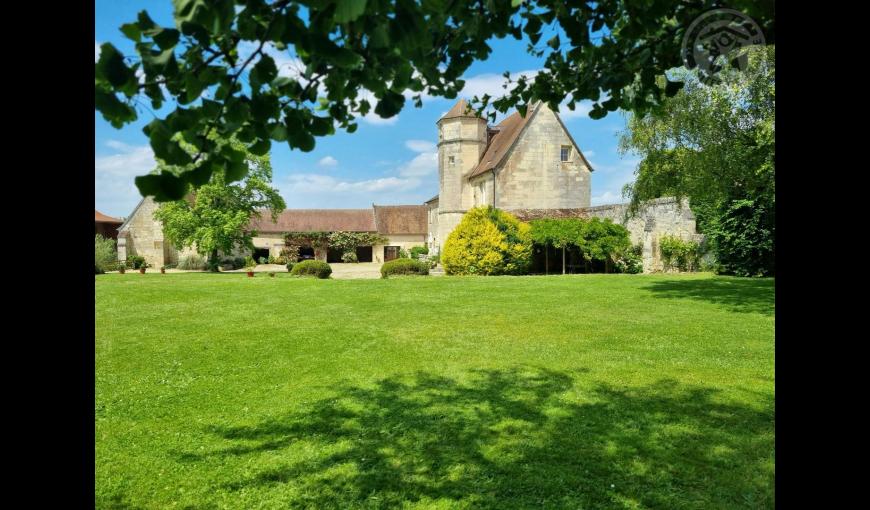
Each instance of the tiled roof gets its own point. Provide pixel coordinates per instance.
(401, 219)
(102, 218)
(460, 109)
(316, 220)
(501, 143)
(536, 214)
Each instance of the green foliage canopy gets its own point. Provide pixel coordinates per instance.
(105, 254)
(716, 145)
(217, 64)
(216, 217)
(488, 241)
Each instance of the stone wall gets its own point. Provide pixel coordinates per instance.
(143, 236)
(404, 241)
(656, 219)
(534, 175)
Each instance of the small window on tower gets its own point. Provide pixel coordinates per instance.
(566, 152)
(450, 159)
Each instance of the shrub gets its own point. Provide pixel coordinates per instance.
(238, 262)
(488, 241)
(135, 261)
(416, 251)
(404, 267)
(192, 262)
(349, 257)
(97, 270)
(250, 263)
(316, 268)
(263, 260)
(290, 254)
(435, 259)
(290, 266)
(679, 254)
(403, 253)
(170, 266)
(631, 261)
(105, 255)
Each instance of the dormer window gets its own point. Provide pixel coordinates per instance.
(566, 153)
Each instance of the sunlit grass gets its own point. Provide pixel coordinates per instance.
(587, 391)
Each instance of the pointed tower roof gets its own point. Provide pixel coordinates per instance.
(460, 109)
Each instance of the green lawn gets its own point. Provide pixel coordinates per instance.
(586, 391)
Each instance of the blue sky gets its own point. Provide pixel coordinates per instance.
(387, 161)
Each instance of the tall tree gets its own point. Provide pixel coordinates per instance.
(215, 218)
(716, 145)
(218, 64)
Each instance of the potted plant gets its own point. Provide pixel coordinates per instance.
(162, 269)
(272, 274)
(142, 268)
(122, 267)
(250, 265)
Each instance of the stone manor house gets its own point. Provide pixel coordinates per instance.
(529, 166)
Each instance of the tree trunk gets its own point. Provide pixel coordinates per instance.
(563, 260)
(213, 261)
(606, 265)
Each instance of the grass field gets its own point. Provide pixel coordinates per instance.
(586, 391)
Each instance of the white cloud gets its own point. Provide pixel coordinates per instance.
(376, 120)
(327, 162)
(608, 197)
(326, 191)
(492, 84)
(608, 180)
(420, 145)
(114, 188)
(588, 154)
(425, 163)
(318, 183)
(581, 110)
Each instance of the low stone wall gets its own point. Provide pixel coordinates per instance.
(656, 219)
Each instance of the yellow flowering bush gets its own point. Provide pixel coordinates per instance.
(488, 241)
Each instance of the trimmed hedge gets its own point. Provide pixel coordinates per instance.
(316, 268)
(404, 267)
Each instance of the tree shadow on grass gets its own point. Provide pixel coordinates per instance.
(518, 438)
(744, 295)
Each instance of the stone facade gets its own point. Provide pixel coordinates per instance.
(520, 169)
(533, 176)
(529, 165)
(142, 235)
(656, 219)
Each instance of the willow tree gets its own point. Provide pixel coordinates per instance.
(716, 145)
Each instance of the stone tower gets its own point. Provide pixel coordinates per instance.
(461, 143)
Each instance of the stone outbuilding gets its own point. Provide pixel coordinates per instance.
(528, 165)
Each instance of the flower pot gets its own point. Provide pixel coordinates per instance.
(141, 270)
(250, 274)
(162, 271)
